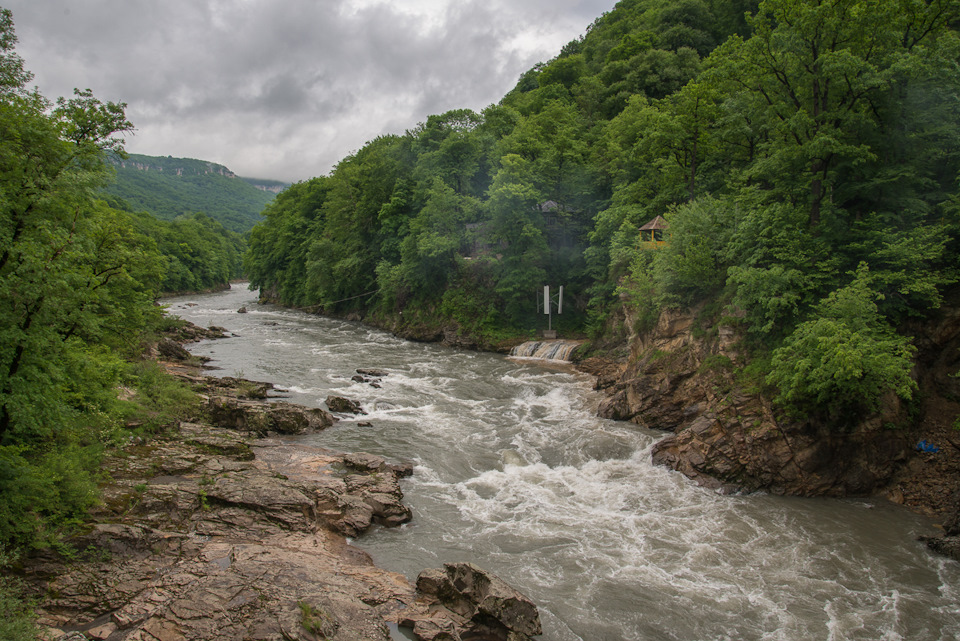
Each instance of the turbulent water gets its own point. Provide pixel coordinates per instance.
(515, 473)
(552, 350)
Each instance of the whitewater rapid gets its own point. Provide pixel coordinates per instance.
(514, 472)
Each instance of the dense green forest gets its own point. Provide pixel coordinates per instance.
(198, 253)
(804, 154)
(78, 284)
(172, 187)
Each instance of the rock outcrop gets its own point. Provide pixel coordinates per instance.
(488, 607)
(263, 418)
(948, 543)
(209, 532)
(725, 432)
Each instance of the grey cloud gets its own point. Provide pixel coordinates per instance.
(286, 89)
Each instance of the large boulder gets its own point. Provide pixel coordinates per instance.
(342, 405)
(490, 608)
(261, 417)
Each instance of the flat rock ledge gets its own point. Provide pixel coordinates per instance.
(217, 535)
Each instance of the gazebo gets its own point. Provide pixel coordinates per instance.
(653, 231)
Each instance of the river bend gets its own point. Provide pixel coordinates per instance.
(516, 473)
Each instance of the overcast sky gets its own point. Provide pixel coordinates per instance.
(284, 89)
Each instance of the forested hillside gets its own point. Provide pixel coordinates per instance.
(171, 187)
(78, 284)
(803, 153)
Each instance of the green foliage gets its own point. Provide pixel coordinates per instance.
(77, 284)
(692, 264)
(169, 188)
(842, 361)
(316, 621)
(17, 619)
(154, 398)
(716, 362)
(638, 291)
(198, 252)
(786, 142)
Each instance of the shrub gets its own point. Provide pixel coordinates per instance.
(842, 361)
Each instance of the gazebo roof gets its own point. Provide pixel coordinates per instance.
(656, 223)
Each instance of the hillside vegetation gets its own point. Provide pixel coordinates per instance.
(170, 187)
(803, 153)
(78, 285)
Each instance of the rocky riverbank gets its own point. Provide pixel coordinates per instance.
(687, 378)
(222, 530)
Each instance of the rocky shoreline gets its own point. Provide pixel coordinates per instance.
(724, 433)
(682, 377)
(224, 530)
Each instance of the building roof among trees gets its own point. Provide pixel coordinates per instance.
(656, 223)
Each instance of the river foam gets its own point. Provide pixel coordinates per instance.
(609, 546)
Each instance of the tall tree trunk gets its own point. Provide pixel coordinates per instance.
(816, 193)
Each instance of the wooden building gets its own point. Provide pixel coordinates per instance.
(654, 233)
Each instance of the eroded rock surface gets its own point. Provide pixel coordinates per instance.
(342, 405)
(726, 435)
(212, 534)
(487, 607)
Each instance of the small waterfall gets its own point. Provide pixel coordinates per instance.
(553, 350)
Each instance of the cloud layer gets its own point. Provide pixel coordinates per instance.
(286, 89)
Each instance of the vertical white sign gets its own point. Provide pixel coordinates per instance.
(546, 299)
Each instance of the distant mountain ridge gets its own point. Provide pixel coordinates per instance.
(171, 165)
(168, 187)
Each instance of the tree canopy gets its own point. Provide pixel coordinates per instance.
(172, 187)
(787, 142)
(78, 281)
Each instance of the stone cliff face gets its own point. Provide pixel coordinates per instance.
(727, 434)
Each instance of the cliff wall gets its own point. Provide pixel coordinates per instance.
(692, 379)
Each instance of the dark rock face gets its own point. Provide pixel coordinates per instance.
(172, 350)
(949, 543)
(782, 459)
(725, 437)
(342, 405)
(490, 609)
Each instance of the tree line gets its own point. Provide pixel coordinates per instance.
(803, 152)
(79, 277)
(173, 187)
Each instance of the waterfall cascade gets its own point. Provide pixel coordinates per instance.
(554, 350)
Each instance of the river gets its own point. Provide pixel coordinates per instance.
(514, 472)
